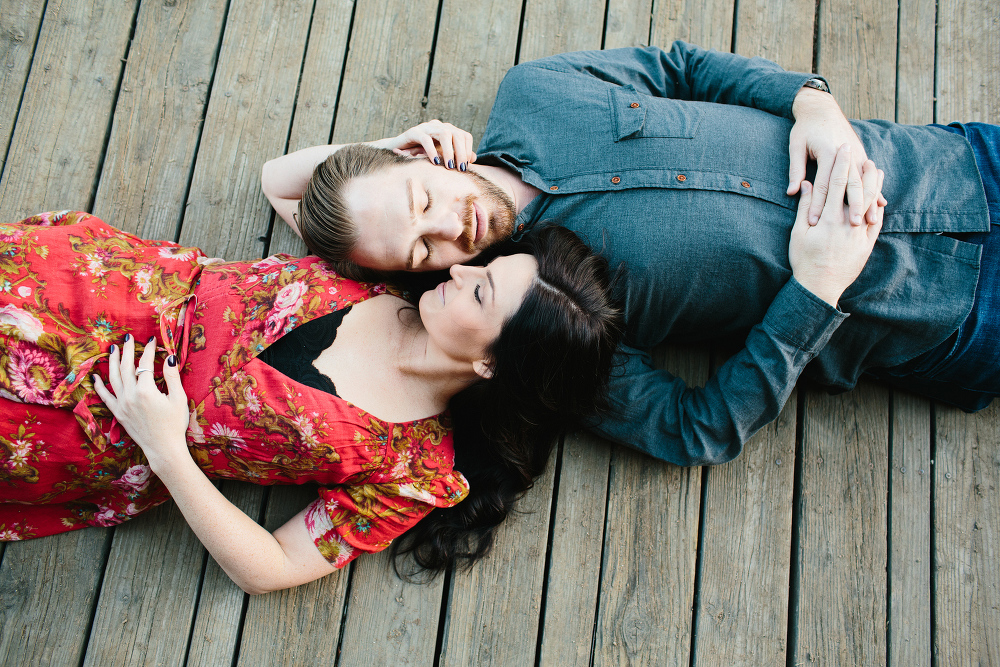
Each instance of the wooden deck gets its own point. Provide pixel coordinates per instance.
(861, 529)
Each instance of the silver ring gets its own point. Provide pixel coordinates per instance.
(142, 370)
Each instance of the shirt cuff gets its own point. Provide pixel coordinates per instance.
(802, 319)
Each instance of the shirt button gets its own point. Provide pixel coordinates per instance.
(681, 177)
(616, 180)
(634, 105)
(745, 184)
(554, 187)
(520, 227)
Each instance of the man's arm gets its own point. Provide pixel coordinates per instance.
(657, 413)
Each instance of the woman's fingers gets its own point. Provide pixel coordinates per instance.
(114, 369)
(102, 391)
(172, 375)
(146, 360)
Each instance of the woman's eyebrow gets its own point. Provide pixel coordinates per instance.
(493, 288)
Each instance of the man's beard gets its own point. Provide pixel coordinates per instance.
(499, 209)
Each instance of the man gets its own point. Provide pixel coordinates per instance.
(682, 165)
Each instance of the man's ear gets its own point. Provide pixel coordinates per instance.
(483, 368)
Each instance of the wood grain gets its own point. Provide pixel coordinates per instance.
(842, 529)
(247, 121)
(494, 608)
(778, 31)
(968, 78)
(317, 98)
(574, 573)
(48, 588)
(557, 26)
(158, 117)
(148, 595)
(297, 626)
(628, 23)
(66, 109)
(707, 23)
(967, 537)
(473, 53)
(20, 21)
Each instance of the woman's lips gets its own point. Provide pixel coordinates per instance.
(440, 291)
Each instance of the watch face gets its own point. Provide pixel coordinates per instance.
(818, 84)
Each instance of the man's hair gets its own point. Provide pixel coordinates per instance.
(324, 218)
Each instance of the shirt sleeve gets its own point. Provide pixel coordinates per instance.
(688, 72)
(657, 413)
(346, 521)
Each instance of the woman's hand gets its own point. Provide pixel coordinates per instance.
(441, 143)
(157, 422)
(826, 258)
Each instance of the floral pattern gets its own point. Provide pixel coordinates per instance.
(70, 286)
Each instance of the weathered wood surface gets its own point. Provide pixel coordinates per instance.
(622, 559)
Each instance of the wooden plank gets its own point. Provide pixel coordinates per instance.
(47, 592)
(557, 26)
(778, 31)
(910, 538)
(967, 537)
(390, 621)
(628, 23)
(246, 124)
(157, 121)
(967, 452)
(317, 97)
(20, 21)
(297, 626)
(59, 137)
(650, 546)
(707, 23)
(494, 608)
(910, 557)
(915, 68)
(842, 530)
(470, 60)
(968, 52)
(746, 551)
(218, 617)
(386, 70)
(147, 602)
(856, 52)
(574, 574)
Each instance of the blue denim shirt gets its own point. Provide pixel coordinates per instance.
(676, 165)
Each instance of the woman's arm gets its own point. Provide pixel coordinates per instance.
(284, 178)
(255, 559)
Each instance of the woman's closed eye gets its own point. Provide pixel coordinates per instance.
(475, 293)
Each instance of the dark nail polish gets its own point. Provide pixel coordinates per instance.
(463, 166)
(451, 164)
(171, 361)
(437, 161)
(128, 337)
(111, 350)
(151, 339)
(93, 378)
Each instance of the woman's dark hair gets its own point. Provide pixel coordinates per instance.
(551, 366)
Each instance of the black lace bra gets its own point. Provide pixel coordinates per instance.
(293, 354)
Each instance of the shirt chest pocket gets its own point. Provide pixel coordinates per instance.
(638, 116)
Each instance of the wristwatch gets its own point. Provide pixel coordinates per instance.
(817, 84)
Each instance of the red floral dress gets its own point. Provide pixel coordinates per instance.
(70, 286)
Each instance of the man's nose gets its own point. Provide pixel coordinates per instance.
(447, 226)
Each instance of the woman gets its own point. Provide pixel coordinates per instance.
(78, 294)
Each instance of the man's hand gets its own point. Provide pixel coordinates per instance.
(441, 143)
(827, 257)
(820, 129)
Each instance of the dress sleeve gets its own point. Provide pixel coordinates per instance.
(346, 521)
(659, 414)
(688, 72)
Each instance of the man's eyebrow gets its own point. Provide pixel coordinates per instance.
(413, 246)
(493, 288)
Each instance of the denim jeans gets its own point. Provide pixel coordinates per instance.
(964, 370)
